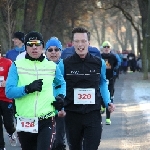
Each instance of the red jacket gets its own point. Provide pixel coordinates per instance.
(4, 68)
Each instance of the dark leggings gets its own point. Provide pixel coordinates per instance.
(43, 140)
(14, 107)
(60, 132)
(83, 131)
(6, 117)
(111, 90)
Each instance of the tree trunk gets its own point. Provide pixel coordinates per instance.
(103, 28)
(130, 37)
(147, 39)
(95, 28)
(39, 15)
(144, 60)
(20, 16)
(3, 41)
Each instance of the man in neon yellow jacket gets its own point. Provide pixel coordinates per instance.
(30, 82)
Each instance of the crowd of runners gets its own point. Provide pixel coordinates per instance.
(48, 92)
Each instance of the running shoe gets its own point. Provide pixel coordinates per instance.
(102, 110)
(112, 98)
(108, 122)
(12, 140)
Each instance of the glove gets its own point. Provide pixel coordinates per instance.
(36, 85)
(59, 103)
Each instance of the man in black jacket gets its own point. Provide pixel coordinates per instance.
(86, 83)
(111, 62)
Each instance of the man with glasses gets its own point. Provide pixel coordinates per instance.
(69, 51)
(53, 49)
(6, 109)
(30, 82)
(53, 53)
(111, 62)
(86, 83)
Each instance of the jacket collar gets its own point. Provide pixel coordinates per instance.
(41, 58)
(81, 59)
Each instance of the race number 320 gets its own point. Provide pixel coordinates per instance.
(84, 96)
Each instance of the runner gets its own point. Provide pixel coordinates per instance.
(30, 83)
(53, 53)
(86, 83)
(111, 64)
(6, 108)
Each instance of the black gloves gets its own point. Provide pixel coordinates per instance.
(59, 103)
(115, 69)
(36, 85)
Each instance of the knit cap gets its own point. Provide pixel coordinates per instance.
(53, 41)
(33, 36)
(19, 35)
(106, 43)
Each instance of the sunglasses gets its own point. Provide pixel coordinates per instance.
(55, 49)
(36, 43)
(106, 46)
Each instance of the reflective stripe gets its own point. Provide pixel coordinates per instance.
(27, 69)
(80, 74)
(27, 73)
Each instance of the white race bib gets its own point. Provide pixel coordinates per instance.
(27, 124)
(84, 96)
(130, 58)
(1, 80)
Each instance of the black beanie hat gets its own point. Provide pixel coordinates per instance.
(33, 36)
(19, 35)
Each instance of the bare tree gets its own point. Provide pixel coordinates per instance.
(9, 20)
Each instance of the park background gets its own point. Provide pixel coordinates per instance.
(125, 23)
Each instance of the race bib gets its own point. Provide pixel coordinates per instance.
(84, 96)
(1, 80)
(27, 124)
(130, 58)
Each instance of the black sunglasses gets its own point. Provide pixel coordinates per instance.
(106, 46)
(55, 49)
(36, 43)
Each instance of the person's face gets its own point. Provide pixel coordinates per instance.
(34, 48)
(17, 42)
(53, 53)
(118, 52)
(106, 49)
(81, 43)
